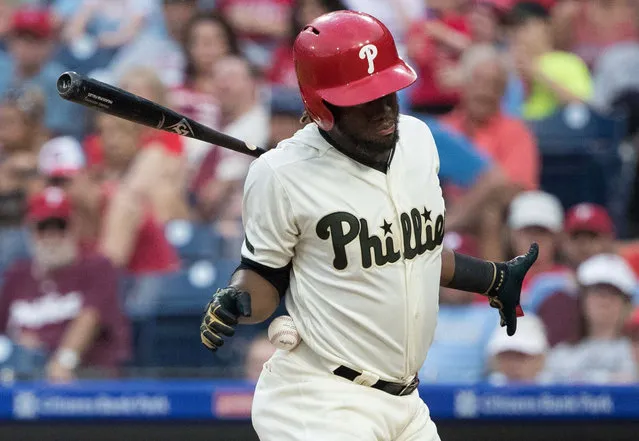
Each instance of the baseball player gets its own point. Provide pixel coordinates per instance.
(346, 221)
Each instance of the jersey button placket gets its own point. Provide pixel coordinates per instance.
(396, 201)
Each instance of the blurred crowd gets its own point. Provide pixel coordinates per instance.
(113, 236)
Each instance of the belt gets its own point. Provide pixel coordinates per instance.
(398, 389)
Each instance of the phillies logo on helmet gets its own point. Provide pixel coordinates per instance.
(369, 52)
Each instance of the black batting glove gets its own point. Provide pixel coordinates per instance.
(506, 290)
(221, 316)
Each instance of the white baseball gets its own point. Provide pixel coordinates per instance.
(283, 334)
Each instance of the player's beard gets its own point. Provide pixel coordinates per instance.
(364, 144)
(373, 149)
(378, 146)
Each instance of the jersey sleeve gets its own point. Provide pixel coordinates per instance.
(270, 229)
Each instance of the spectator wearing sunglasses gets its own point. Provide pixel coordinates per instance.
(60, 309)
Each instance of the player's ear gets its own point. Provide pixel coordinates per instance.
(335, 110)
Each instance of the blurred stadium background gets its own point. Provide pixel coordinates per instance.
(535, 110)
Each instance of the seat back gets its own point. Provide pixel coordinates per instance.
(581, 159)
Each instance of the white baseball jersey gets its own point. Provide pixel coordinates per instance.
(365, 246)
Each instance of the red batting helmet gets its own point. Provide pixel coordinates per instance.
(347, 58)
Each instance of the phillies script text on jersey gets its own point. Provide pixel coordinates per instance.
(415, 237)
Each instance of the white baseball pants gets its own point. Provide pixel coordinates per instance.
(296, 399)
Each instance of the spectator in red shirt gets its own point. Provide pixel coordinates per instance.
(131, 237)
(435, 44)
(158, 174)
(589, 231)
(128, 229)
(60, 302)
(208, 38)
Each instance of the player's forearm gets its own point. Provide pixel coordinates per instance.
(264, 297)
(467, 273)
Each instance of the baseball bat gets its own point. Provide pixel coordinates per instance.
(118, 102)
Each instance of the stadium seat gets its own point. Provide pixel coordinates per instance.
(193, 241)
(187, 291)
(581, 158)
(170, 337)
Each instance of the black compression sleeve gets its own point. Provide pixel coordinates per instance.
(472, 274)
(278, 277)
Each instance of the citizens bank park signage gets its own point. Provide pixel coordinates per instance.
(230, 400)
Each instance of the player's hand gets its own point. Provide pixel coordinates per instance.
(507, 290)
(221, 315)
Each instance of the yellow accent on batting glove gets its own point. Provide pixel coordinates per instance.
(222, 314)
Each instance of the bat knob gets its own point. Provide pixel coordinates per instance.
(67, 82)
